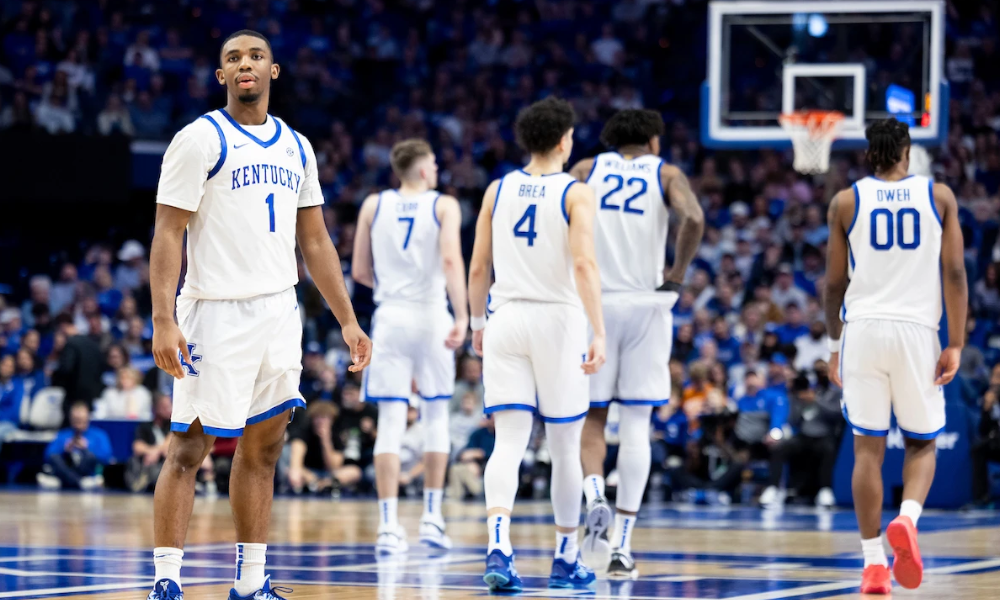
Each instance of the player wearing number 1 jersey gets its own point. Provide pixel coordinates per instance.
(634, 187)
(535, 230)
(243, 187)
(895, 245)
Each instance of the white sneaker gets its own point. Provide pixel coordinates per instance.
(825, 498)
(772, 496)
(94, 482)
(392, 542)
(432, 535)
(596, 550)
(48, 482)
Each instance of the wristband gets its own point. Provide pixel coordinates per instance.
(833, 345)
(478, 323)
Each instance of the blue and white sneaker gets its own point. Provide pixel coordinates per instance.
(432, 535)
(501, 575)
(265, 593)
(391, 542)
(571, 575)
(166, 589)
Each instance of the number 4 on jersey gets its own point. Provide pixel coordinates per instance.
(527, 232)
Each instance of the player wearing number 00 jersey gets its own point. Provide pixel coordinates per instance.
(895, 245)
(243, 187)
(535, 231)
(633, 186)
(408, 248)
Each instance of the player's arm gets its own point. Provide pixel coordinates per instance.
(362, 266)
(581, 170)
(692, 225)
(450, 216)
(836, 274)
(581, 208)
(956, 286)
(481, 265)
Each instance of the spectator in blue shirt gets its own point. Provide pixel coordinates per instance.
(794, 326)
(729, 347)
(32, 378)
(74, 459)
(762, 414)
(11, 395)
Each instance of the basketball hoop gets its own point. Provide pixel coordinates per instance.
(812, 133)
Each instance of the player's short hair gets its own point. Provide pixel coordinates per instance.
(887, 138)
(249, 32)
(632, 127)
(539, 127)
(405, 153)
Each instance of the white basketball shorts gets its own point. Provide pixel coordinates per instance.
(246, 358)
(639, 340)
(408, 345)
(532, 357)
(888, 367)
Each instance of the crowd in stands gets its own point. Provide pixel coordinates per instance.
(751, 390)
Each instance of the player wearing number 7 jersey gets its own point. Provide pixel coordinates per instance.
(243, 186)
(895, 242)
(536, 231)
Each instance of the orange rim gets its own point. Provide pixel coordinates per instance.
(818, 122)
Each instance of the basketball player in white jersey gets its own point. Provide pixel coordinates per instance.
(634, 187)
(895, 242)
(408, 248)
(535, 230)
(243, 186)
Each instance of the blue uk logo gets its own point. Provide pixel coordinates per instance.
(195, 359)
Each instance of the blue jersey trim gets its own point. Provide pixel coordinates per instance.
(631, 402)
(921, 436)
(850, 254)
(564, 419)
(179, 427)
(222, 140)
(386, 399)
(497, 199)
(659, 181)
(378, 205)
(930, 192)
(216, 431)
(434, 210)
(489, 410)
(262, 143)
(897, 181)
(433, 398)
(277, 410)
(861, 430)
(302, 151)
(857, 208)
(563, 201)
(600, 403)
(545, 175)
(593, 167)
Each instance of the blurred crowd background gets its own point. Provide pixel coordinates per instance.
(750, 396)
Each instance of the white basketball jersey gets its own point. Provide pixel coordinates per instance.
(894, 246)
(531, 257)
(244, 193)
(631, 231)
(406, 249)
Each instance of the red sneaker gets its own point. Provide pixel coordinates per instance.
(876, 580)
(907, 565)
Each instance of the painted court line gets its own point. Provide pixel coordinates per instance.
(105, 587)
(799, 591)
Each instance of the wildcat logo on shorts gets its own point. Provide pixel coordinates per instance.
(195, 359)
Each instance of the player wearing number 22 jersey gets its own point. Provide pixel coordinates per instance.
(895, 246)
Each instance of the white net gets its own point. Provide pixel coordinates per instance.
(812, 134)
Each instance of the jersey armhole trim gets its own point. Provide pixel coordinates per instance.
(659, 181)
(302, 151)
(497, 199)
(222, 141)
(434, 210)
(930, 193)
(857, 208)
(378, 205)
(593, 167)
(563, 202)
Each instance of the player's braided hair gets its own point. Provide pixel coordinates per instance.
(887, 139)
(632, 127)
(540, 126)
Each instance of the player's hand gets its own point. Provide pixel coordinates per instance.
(360, 345)
(456, 337)
(477, 342)
(167, 341)
(947, 365)
(834, 369)
(595, 356)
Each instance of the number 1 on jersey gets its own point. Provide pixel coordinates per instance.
(270, 209)
(529, 232)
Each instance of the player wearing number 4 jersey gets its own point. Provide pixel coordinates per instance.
(243, 186)
(633, 186)
(895, 242)
(408, 248)
(535, 230)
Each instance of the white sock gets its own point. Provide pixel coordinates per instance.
(912, 509)
(593, 487)
(250, 559)
(874, 552)
(388, 519)
(499, 532)
(566, 547)
(621, 539)
(167, 562)
(432, 505)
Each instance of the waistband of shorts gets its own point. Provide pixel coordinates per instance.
(190, 298)
(413, 306)
(644, 298)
